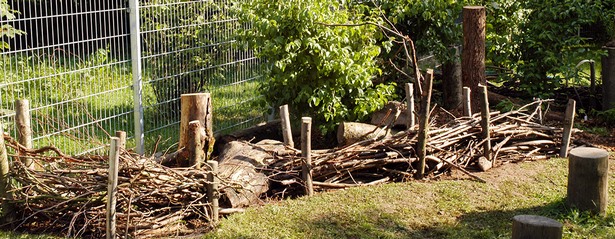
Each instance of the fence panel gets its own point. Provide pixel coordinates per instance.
(74, 65)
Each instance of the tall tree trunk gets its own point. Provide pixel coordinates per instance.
(452, 84)
(473, 55)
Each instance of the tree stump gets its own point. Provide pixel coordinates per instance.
(588, 179)
(536, 227)
(196, 107)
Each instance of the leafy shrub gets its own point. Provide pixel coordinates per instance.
(7, 30)
(319, 70)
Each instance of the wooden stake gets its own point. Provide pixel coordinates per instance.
(286, 129)
(122, 136)
(114, 161)
(196, 107)
(536, 227)
(213, 189)
(424, 123)
(24, 129)
(196, 152)
(568, 124)
(306, 148)
(410, 103)
(467, 101)
(588, 180)
(484, 123)
(473, 52)
(5, 181)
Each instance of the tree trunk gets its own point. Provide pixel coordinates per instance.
(196, 107)
(352, 132)
(608, 79)
(452, 84)
(473, 55)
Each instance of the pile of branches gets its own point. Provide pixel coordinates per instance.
(515, 135)
(69, 196)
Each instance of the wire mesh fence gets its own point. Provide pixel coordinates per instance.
(74, 64)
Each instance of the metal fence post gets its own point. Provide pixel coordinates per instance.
(135, 54)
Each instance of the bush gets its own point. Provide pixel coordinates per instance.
(318, 69)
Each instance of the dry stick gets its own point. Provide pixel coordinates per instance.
(24, 129)
(424, 123)
(467, 102)
(286, 129)
(306, 147)
(114, 160)
(213, 191)
(568, 123)
(5, 185)
(485, 120)
(410, 103)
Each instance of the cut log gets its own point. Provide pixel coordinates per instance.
(588, 180)
(239, 164)
(484, 164)
(383, 117)
(538, 227)
(196, 107)
(352, 132)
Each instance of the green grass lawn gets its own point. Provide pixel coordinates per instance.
(437, 209)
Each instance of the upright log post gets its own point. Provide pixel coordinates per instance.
(287, 133)
(195, 148)
(451, 82)
(608, 79)
(467, 101)
(410, 103)
(5, 182)
(568, 124)
(473, 53)
(24, 129)
(122, 136)
(424, 123)
(196, 107)
(588, 180)
(306, 153)
(536, 227)
(484, 123)
(114, 161)
(213, 189)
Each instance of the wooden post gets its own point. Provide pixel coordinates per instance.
(536, 227)
(467, 101)
(306, 148)
(451, 82)
(410, 103)
(122, 136)
(568, 123)
(588, 179)
(213, 189)
(114, 161)
(484, 123)
(286, 129)
(5, 182)
(196, 107)
(24, 130)
(473, 53)
(424, 123)
(195, 148)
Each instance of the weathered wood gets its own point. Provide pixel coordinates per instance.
(568, 124)
(306, 154)
(352, 132)
(122, 136)
(411, 120)
(484, 164)
(5, 181)
(588, 179)
(238, 164)
(473, 52)
(424, 123)
(485, 123)
(286, 129)
(24, 130)
(114, 161)
(195, 148)
(196, 107)
(467, 101)
(536, 227)
(213, 189)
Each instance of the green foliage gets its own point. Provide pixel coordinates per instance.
(7, 30)
(607, 116)
(505, 106)
(314, 65)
